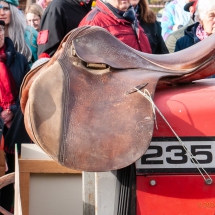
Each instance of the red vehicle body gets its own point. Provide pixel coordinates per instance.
(168, 182)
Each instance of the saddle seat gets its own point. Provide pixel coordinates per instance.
(98, 48)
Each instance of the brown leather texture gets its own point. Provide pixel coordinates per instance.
(47, 122)
(91, 118)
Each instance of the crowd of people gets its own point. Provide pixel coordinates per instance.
(200, 25)
(37, 32)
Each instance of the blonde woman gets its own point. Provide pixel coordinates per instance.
(33, 15)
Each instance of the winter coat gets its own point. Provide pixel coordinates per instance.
(153, 32)
(16, 62)
(18, 66)
(122, 29)
(188, 39)
(59, 18)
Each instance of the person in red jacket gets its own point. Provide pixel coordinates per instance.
(119, 18)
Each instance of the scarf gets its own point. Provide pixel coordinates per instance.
(8, 90)
(200, 32)
(131, 16)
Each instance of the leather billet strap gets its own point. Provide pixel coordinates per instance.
(7, 179)
(4, 181)
(4, 212)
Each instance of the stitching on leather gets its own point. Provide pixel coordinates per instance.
(60, 60)
(64, 111)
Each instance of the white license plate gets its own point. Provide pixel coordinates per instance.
(170, 156)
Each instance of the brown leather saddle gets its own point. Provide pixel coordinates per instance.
(82, 108)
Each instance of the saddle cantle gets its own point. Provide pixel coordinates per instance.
(81, 106)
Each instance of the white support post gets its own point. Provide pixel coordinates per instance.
(100, 197)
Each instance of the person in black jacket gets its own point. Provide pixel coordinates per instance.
(13, 67)
(205, 15)
(60, 17)
(190, 38)
(152, 28)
